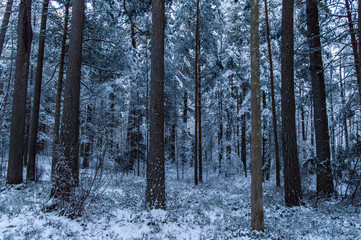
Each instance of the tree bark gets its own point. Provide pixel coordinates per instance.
(200, 165)
(324, 172)
(196, 110)
(274, 117)
(359, 38)
(25, 35)
(155, 190)
(292, 179)
(59, 91)
(5, 23)
(220, 131)
(257, 218)
(354, 47)
(67, 168)
(34, 122)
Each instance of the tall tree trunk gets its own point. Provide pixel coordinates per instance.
(34, 122)
(67, 168)
(324, 172)
(25, 35)
(27, 117)
(292, 179)
(220, 131)
(265, 158)
(312, 130)
(359, 36)
(87, 145)
(244, 144)
(344, 120)
(332, 134)
(257, 219)
(200, 117)
(185, 132)
(196, 100)
(5, 23)
(59, 91)
(274, 117)
(354, 47)
(155, 190)
(147, 100)
(139, 136)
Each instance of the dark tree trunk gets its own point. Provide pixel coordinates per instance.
(87, 145)
(5, 23)
(220, 132)
(25, 35)
(354, 47)
(133, 115)
(147, 100)
(26, 133)
(311, 127)
(155, 190)
(67, 167)
(59, 91)
(196, 110)
(228, 135)
(34, 122)
(257, 217)
(265, 159)
(274, 117)
(324, 172)
(27, 118)
(359, 39)
(200, 165)
(185, 132)
(292, 179)
(244, 144)
(139, 134)
(344, 120)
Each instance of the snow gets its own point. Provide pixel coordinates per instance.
(216, 209)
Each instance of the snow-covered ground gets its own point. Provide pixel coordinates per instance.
(216, 209)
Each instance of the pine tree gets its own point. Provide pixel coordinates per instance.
(34, 122)
(25, 35)
(67, 166)
(292, 179)
(257, 218)
(155, 190)
(324, 171)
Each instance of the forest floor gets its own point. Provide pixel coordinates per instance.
(217, 209)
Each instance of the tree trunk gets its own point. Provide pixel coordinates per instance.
(257, 221)
(274, 117)
(5, 23)
(34, 122)
(87, 145)
(27, 118)
(324, 172)
(155, 190)
(220, 132)
(344, 120)
(354, 47)
(359, 38)
(196, 100)
(265, 158)
(292, 179)
(25, 35)
(58, 92)
(67, 168)
(200, 118)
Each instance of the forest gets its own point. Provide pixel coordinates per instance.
(180, 119)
